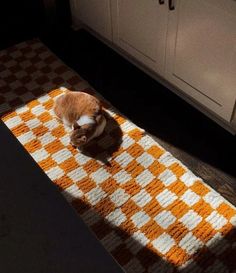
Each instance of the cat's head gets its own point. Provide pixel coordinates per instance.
(78, 137)
(80, 134)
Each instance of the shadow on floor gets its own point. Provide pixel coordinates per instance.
(146, 102)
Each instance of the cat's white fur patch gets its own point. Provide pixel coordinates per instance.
(84, 120)
(100, 128)
(62, 88)
(66, 122)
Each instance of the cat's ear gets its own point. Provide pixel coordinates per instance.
(76, 126)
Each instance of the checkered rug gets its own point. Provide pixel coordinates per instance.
(147, 209)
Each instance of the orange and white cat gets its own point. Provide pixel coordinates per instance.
(83, 113)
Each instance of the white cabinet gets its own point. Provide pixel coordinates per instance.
(201, 52)
(139, 28)
(96, 14)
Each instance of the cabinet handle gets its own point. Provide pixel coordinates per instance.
(171, 5)
(161, 2)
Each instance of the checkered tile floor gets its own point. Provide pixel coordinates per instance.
(148, 210)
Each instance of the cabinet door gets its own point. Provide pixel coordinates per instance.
(139, 27)
(96, 14)
(201, 52)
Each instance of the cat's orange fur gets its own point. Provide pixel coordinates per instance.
(71, 106)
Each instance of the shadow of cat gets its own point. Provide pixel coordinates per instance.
(102, 147)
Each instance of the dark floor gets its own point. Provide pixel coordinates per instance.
(39, 231)
(207, 149)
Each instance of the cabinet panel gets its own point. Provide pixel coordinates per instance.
(96, 14)
(201, 54)
(140, 28)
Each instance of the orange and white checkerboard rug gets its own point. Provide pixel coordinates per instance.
(147, 209)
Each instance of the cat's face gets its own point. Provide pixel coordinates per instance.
(78, 137)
